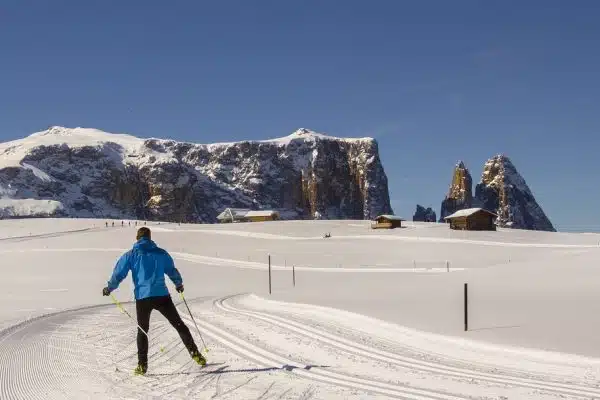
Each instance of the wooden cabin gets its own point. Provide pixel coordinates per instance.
(472, 219)
(262, 215)
(230, 215)
(387, 222)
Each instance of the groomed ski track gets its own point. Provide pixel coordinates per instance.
(321, 374)
(92, 349)
(38, 358)
(507, 377)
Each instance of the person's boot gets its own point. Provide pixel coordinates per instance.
(141, 369)
(199, 358)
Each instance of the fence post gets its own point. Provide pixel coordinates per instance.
(294, 274)
(269, 274)
(448, 266)
(466, 310)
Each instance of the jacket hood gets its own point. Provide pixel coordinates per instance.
(145, 244)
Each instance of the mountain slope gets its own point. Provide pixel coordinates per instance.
(90, 173)
(503, 190)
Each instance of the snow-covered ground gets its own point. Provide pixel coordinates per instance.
(373, 313)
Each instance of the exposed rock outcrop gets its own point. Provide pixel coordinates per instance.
(460, 195)
(423, 214)
(503, 190)
(90, 173)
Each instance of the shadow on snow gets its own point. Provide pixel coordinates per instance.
(224, 370)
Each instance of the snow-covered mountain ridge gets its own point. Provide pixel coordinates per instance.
(90, 173)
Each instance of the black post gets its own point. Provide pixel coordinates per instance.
(294, 274)
(269, 274)
(466, 310)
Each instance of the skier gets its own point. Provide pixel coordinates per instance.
(149, 264)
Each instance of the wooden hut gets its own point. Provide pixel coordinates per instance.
(246, 215)
(472, 219)
(262, 215)
(230, 215)
(387, 222)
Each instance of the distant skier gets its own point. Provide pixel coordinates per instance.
(149, 264)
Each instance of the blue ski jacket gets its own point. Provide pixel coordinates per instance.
(148, 264)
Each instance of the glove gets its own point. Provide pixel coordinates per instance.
(179, 289)
(105, 291)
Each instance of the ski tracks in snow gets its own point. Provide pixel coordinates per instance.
(462, 380)
(256, 352)
(91, 352)
(38, 360)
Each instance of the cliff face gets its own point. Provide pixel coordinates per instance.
(423, 214)
(90, 173)
(503, 190)
(460, 195)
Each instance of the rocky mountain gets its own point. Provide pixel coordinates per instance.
(90, 173)
(460, 195)
(503, 190)
(423, 214)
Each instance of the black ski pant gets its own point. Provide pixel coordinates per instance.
(164, 305)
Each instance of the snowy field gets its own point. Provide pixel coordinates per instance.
(373, 313)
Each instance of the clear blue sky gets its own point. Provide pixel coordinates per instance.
(433, 81)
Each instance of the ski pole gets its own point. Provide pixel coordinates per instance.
(124, 311)
(188, 308)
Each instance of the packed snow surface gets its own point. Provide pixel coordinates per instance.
(362, 314)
